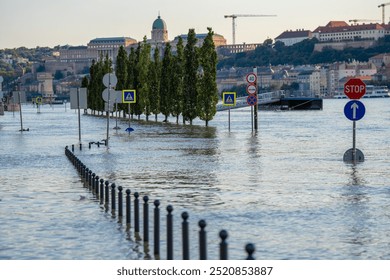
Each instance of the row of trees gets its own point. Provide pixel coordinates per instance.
(181, 83)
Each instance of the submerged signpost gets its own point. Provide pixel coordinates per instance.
(78, 100)
(129, 97)
(251, 89)
(354, 110)
(229, 99)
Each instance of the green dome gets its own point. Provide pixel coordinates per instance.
(159, 24)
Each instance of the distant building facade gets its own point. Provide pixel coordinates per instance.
(291, 37)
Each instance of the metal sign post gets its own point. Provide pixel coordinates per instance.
(229, 99)
(256, 108)
(129, 96)
(78, 100)
(354, 110)
(109, 80)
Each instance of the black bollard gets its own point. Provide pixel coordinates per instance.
(113, 197)
(185, 234)
(86, 175)
(101, 191)
(81, 146)
(202, 241)
(157, 229)
(128, 207)
(223, 248)
(250, 249)
(96, 190)
(106, 194)
(92, 184)
(89, 145)
(98, 144)
(72, 147)
(120, 202)
(146, 219)
(136, 212)
(89, 178)
(169, 233)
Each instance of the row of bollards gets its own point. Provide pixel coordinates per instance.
(101, 189)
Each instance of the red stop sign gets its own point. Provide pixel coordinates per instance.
(355, 88)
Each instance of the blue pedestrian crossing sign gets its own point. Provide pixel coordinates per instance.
(354, 110)
(128, 96)
(229, 98)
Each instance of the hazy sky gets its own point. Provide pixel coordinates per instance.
(32, 23)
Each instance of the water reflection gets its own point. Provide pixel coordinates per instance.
(356, 201)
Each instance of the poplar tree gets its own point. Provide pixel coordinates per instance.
(121, 73)
(165, 86)
(143, 77)
(208, 92)
(190, 78)
(131, 79)
(136, 108)
(155, 75)
(177, 80)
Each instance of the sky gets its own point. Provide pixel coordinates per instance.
(49, 23)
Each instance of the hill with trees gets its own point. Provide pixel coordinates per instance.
(300, 54)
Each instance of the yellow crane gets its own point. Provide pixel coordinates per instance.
(234, 16)
(363, 20)
(383, 10)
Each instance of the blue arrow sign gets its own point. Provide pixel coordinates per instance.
(354, 110)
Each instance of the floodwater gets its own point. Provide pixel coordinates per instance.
(285, 189)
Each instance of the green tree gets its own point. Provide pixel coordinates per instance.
(121, 73)
(131, 71)
(155, 75)
(177, 80)
(136, 108)
(190, 78)
(143, 77)
(165, 85)
(208, 92)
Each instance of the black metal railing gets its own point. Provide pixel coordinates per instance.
(101, 189)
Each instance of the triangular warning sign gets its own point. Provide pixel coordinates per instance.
(229, 99)
(129, 97)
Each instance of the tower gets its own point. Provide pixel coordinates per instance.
(159, 30)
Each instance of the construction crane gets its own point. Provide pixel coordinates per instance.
(383, 11)
(363, 20)
(234, 22)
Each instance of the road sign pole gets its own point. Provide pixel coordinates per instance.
(20, 110)
(354, 141)
(78, 108)
(256, 106)
(229, 118)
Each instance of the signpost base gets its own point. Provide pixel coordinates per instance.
(353, 156)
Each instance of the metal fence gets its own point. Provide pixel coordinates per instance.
(112, 197)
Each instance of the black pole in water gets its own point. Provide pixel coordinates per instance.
(250, 249)
(156, 228)
(92, 184)
(101, 191)
(146, 219)
(113, 197)
(136, 212)
(186, 242)
(128, 207)
(89, 178)
(86, 175)
(169, 233)
(120, 202)
(96, 190)
(107, 193)
(223, 248)
(202, 241)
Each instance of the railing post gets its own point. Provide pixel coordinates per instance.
(113, 197)
(146, 219)
(128, 207)
(136, 212)
(223, 248)
(156, 229)
(92, 184)
(106, 194)
(250, 249)
(101, 191)
(96, 189)
(89, 178)
(120, 202)
(169, 233)
(202, 241)
(86, 175)
(185, 235)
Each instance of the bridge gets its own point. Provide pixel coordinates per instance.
(265, 98)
